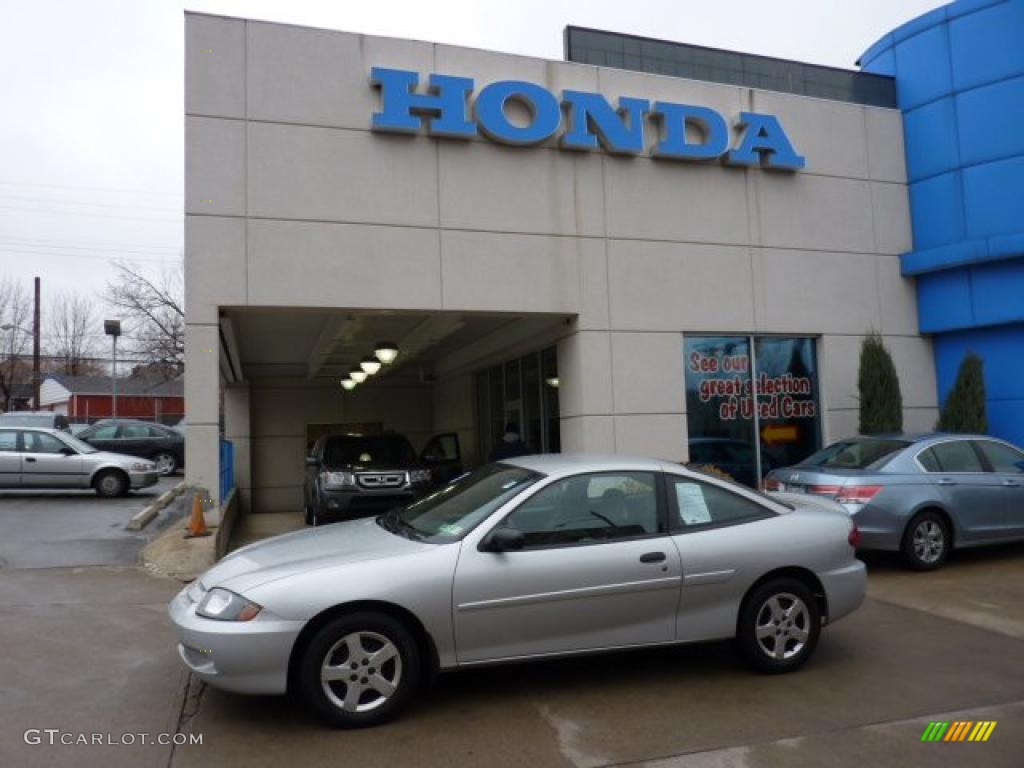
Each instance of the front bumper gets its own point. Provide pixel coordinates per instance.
(239, 656)
(143, 479)
(345, 505)
(844, 589)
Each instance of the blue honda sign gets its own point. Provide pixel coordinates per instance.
(581, 120)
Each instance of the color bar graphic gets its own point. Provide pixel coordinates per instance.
(958, 730)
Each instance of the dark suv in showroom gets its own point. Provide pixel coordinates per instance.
(350, 476)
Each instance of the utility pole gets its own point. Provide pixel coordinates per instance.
(35, 351)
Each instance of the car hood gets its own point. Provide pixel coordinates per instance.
(108, 457)
(314, 548)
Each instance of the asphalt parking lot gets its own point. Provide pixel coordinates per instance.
(47, 529)
(89, 650)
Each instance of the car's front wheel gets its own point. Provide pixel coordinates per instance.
(779, 626)
(110, 483)
(359, 670)
(166, 463)
(926, 542)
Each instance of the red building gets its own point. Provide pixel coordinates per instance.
(85, 399)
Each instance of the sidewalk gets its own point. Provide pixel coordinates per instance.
(87, 650)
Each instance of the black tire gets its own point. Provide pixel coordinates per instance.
(764, 624)
(110, 484)
(375, 631)
(166, 463)
(926, 541)
(311, 516)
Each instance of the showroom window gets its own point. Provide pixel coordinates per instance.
(524, 391)
(725, 375)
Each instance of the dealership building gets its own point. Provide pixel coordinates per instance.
(648, 248)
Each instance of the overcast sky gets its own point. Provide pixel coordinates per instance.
(91, 137)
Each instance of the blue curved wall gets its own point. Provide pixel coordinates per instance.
(960, 81)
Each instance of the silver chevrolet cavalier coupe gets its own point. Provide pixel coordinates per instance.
(531, 558)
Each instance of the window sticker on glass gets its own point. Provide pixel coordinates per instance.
(693, 510)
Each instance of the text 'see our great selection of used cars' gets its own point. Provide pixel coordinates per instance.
(37, 458)
(921, 495)
(529, 558)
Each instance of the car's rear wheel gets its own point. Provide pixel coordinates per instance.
(926, 541)
(166, 463)
(779, 626)
(359, 670)
(110, 483)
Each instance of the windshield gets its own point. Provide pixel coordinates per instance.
(79, 445)
(859, 453)
(453, 511)
(373, 449)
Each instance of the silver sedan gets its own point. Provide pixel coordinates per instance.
(921, 495)
(530, 558)
(35, 457)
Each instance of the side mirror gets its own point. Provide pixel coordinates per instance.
(68, 451)
(312, 461)
(504, 540)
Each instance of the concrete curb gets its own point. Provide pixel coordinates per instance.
(141, 519)
(172, 555)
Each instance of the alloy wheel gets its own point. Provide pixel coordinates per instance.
(166, 464)
(929, 541)
(361, 671)
(783, 626)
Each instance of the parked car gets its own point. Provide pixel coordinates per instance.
(32, 457)
(35, 419)
(349, 476)
(921, 495)
(533, 557)
(160, 444)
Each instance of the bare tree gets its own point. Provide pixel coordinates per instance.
(15, 315)
(153, 311)
(72, 329)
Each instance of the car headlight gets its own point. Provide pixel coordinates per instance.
(337, 479)
(142, 466)
(418, 476)
(225, 605)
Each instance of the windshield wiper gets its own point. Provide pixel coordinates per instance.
(392, 522)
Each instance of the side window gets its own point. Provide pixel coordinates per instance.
(929, 461)
(134, 431)
(957, 456)
(8, 440)
(106, 432)
(442, 448)
(1002, 457)
(696, 504)
(40, 442)
(591, 508)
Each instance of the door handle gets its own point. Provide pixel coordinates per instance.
(30, 459)
(652, 557)
(946, 481)
(1012, 483)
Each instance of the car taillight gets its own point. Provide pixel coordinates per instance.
(823, 490)
(857, 494)
(771, 484)
(854, 537)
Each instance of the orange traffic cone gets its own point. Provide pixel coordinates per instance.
(197, 521)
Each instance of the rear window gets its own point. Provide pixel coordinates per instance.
(860, 453)
(371, 449)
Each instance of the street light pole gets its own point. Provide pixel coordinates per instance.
(113, 329)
